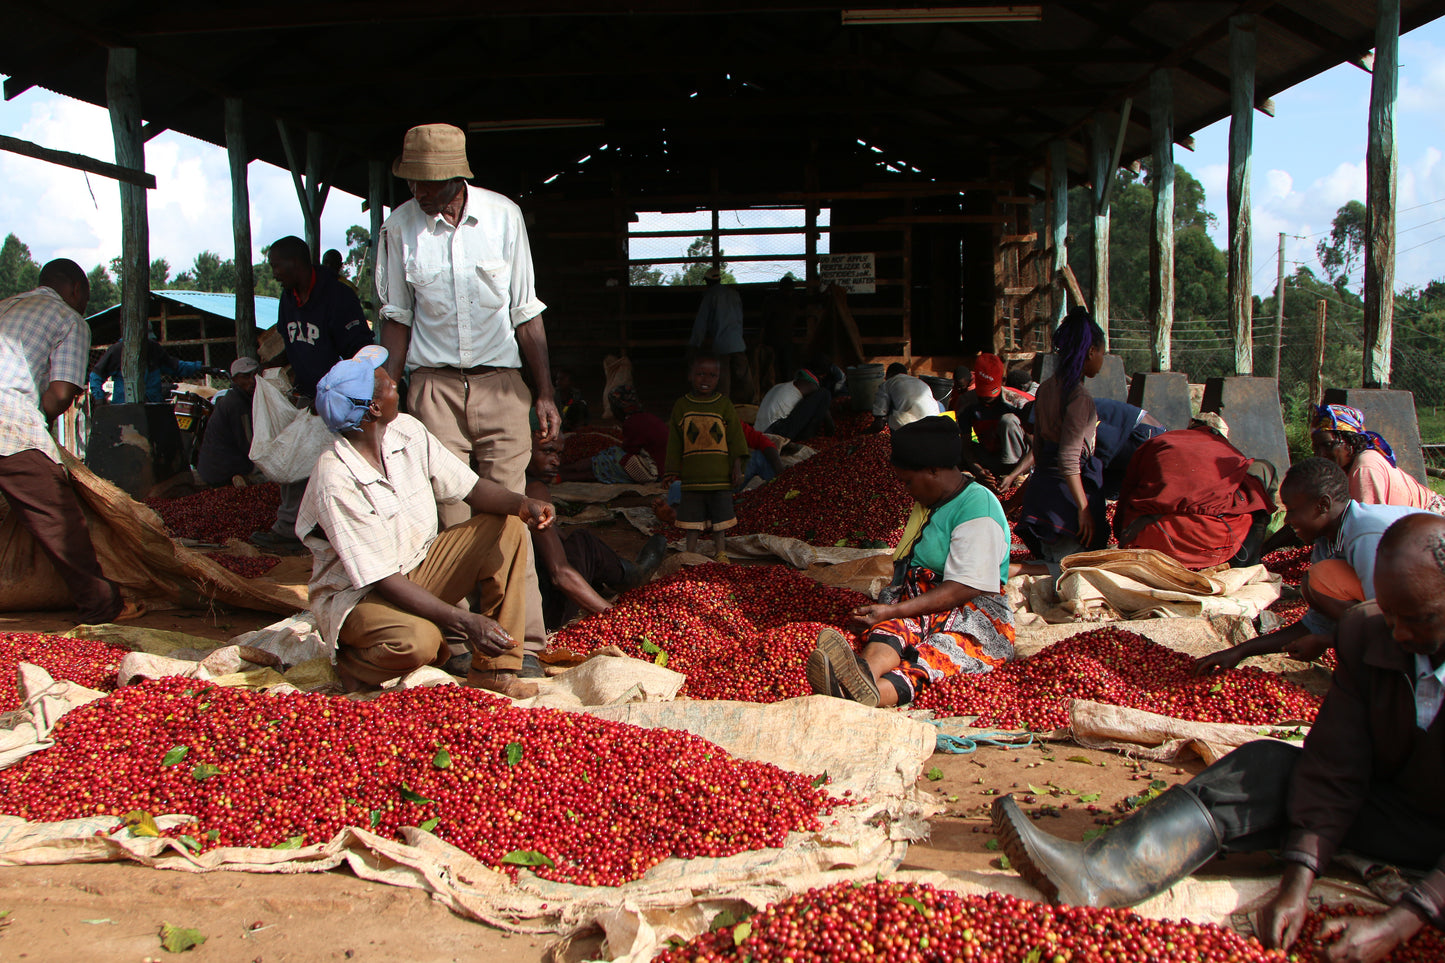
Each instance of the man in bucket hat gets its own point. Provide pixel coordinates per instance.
(459, 311)
(385, 585)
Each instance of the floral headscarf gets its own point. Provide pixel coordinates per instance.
(1349, 421)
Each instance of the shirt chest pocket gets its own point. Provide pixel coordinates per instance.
(384, 501)
(494, 282)
(430, 283)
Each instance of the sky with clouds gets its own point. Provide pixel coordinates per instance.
(1308, 160)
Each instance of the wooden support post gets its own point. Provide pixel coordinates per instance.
(1161, 239)
(1241, 146)
(1317, 368)
(241, 228)
(908, 286)
(76, 161)
(810, 255)
(122, 94)
(1100, 151)
(1059, 226)
(1279, 306)
(1380, 198)
(310, 191)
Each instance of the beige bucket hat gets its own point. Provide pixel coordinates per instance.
(432, 152)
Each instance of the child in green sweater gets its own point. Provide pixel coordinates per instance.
(706, 450)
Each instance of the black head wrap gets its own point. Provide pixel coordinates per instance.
(927, 443)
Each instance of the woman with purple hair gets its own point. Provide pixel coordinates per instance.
(1063, 508)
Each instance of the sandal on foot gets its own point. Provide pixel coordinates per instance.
(852, 671)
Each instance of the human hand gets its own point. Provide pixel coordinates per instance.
(1308, 648)
(1086, 526)
(1282, 918)
(549, 418)
(864, 617)
(1365, 939)
(537, 513)
(986, 476)
(1218, 662)
(484, 636)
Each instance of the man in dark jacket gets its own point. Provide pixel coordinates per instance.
(1370, 778)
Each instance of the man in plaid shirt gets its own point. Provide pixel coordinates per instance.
(44, 351)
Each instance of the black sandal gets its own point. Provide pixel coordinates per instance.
(850, 668)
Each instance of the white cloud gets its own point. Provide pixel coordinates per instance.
(61, 212)
(1279, 183)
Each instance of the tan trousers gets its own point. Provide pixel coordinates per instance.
(487, 554)
(483, 419)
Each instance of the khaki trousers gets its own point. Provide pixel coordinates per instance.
(487, 555)
(483, 419)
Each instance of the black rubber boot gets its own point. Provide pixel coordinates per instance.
(1146, 854)
(640, 572)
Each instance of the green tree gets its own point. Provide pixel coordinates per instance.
(640, 276)
(160, 274)
(103, 291)
(209, 273)
(265, 282)
(695, 274)
(18, 270)
(1344, 248)
(358, 247)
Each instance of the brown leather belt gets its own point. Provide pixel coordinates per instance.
(474, 370)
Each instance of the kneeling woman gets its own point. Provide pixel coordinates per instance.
(945, 612)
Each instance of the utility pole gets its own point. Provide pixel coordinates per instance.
(1279, 306)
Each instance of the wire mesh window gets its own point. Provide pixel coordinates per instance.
(754, 245)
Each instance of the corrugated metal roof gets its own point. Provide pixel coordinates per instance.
(221, 305)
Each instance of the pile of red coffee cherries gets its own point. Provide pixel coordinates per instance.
(216, 514)
(85, 661)
(737, 632)
(847, 494)
(1119, 668)
(906, 922)
(576, 798)
(586, 444)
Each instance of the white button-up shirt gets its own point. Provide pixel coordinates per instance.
(462, 290)
(1429, 691)
(42, 339)
(362, 525)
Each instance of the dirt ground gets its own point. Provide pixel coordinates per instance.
(105, 912)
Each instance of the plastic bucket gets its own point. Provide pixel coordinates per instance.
(942, 388)
(864, 380)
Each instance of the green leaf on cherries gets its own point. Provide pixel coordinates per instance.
(1159, 784)
(649, 647)
(934, 774)
(741, 932)
(295, 842)
(442, 760)
(190, 842)
(205, 771)
(528, 857)
(176, 754)
(1084, 759)
(820, 780)
(910, 901)
(661, 660)
(791, 494)
(722, 921)
(1094, 832)
(1089, 797)
(213, 835)
(140, 823)
(178, 939)
(430, 824)
(1034, 955)
(514, 753)
(572, 815)
(1037, 791)
(1003, 863)
(375, 817)
(841, 543)
(991, 845)
(412, 796)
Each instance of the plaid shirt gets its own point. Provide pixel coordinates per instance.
(363, 526)
(42, 339)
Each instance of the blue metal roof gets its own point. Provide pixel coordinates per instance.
(221, 305)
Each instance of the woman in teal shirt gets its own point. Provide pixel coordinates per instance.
(945, 612)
